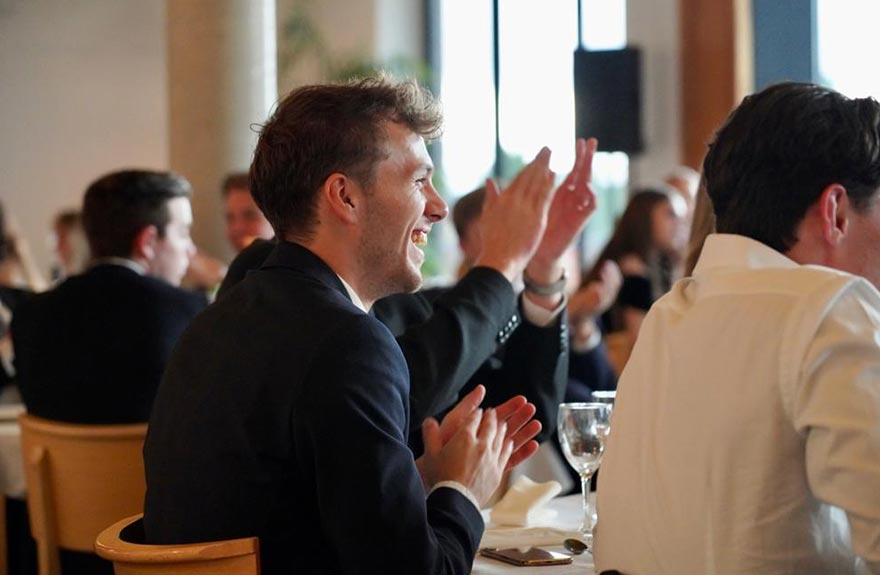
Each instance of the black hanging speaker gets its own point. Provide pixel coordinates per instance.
(608, 98)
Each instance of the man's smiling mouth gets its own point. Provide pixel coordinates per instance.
(420, 238)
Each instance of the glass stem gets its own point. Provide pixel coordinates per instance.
(588, 507)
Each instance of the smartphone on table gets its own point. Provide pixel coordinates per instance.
(526, 556)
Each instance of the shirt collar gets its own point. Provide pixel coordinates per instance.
(124, 262)
(735, 251)
(353, 295)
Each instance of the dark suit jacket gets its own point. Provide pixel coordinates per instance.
(93, 349)
(456, 338)
(283, 414)
(484, 341)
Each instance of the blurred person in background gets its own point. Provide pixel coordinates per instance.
(646, 245)
(702, 225)
(466, 219)
(92, 349)
(19, 279)
(245, 221)
(69, 245)
(17, 267)
(685, 181)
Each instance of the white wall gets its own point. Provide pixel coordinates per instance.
(653, 25)
(83, 91)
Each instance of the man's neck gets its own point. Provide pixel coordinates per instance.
(344, 263)
(134, 265)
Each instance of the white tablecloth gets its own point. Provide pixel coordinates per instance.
(548, 537)
(11, 467)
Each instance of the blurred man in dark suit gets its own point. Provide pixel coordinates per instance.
(93, 349)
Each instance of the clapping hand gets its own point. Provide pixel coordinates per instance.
(506, 434)
(516, 412)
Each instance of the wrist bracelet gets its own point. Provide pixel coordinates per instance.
(538, 289)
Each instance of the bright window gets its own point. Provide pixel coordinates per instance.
(536, 92)
(846, 41)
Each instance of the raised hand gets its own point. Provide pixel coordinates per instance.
(513, 221)
(573, 204)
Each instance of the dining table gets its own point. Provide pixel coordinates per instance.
(11, 469)
(547, 534)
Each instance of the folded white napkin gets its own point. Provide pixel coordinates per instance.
(521, 505)
(526, 536)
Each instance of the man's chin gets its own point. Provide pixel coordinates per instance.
(413, 283)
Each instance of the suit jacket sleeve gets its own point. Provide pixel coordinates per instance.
(446, 339)
(533, 363)
(591, 370)
(351, 430)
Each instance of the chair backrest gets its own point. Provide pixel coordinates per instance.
(80, 478)
(619, 346)
(123, 544)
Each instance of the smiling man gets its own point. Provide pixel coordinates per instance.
(284, 411)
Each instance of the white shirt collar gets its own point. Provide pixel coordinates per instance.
(735, 251)
(124, 262)
(353, 295)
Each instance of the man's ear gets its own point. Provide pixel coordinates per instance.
(344, 197)
(834, 211)
(144, 245)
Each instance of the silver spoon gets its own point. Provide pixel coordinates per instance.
(575, 546)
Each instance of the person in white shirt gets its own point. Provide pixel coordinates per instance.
(746, 434)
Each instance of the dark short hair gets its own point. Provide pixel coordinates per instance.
(780, 149)
(119, 205)
(467, 209)
(67, 219)
(319, 130)
(236, 181)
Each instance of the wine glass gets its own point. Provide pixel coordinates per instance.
(603, 397)
(583, 429)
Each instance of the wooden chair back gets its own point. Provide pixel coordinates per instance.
(80, 478)
(123, 544)
(619, 345)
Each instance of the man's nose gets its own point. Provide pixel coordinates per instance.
(435, 208)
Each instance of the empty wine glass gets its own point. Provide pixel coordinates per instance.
(583, 429)
(603, 397)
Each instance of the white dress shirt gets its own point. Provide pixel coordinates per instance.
(746, 431)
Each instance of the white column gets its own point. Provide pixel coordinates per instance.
(222, 80)
(652, 25)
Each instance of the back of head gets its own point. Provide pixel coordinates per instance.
(323, 129)
(780, 149)
(467, 209)
(119, 205)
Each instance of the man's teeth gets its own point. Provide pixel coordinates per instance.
(420, 238)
